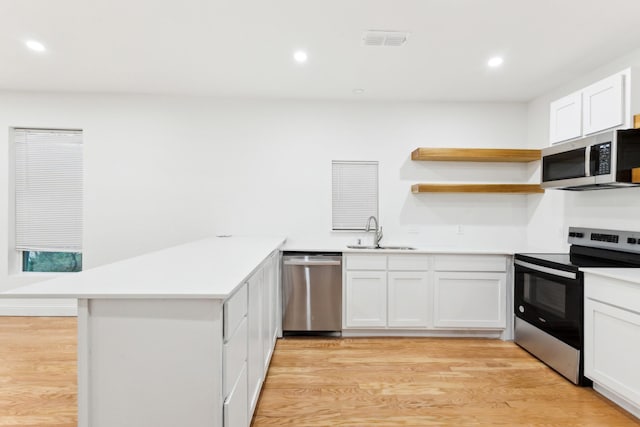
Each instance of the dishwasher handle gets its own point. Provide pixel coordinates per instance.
(312, 262)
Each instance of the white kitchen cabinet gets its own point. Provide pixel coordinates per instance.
(612, 339)
(600, 106)
(603, 105)
(255, 341)
(175, 353)
(235, 409)
(366, 299)
(366, 262)
(472, 300)
(566, 118)
(420, 292)
(234, 357)
(464, 262)
(408, 299)
(269, 308)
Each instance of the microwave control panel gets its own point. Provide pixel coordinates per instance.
(601, 153)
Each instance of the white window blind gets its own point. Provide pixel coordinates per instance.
(355, 194)
(48, 179)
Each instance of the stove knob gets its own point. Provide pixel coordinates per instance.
(521, 309)
(580, 235)
(572, 234)
(632, 240)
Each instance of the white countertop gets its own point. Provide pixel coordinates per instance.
(627, 274)
(208, 268)
(423, 251)
(417, 250)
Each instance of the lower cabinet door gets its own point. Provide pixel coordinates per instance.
(612, 348)
(234, 357)
(255, 345)
(470, 300)
(408, 299)
(366, 299)
(236, 405)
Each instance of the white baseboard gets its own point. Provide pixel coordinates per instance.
(38, 307)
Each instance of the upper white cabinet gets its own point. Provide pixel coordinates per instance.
(566, 118)
(603, 105)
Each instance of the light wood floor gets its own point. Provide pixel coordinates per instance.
(422, 382)
(331, 382)
(38, 380)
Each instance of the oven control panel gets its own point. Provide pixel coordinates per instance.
(628, 241)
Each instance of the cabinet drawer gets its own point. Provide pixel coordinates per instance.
(234, 357)
(235, 308)
(612, 291)
(236, 406)
(366, 262)
(470, 263)
(408, 262)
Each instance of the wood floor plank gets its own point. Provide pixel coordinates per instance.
(331, 382)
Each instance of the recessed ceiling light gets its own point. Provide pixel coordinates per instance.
(35, 46)
(300, 56)
(494, 62)
(358, 91)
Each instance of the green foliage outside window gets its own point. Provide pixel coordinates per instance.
(56, 262)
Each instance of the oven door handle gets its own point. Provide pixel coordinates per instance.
(548, 270)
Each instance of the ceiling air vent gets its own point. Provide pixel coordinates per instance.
(384, 38)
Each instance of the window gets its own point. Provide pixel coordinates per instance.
(355, 194)
(48, 197)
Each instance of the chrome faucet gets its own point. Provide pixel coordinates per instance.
(378, 230)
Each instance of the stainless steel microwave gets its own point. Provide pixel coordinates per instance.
(596, 162)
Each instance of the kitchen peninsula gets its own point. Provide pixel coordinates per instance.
(181, 336)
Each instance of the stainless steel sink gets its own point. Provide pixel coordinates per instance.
(397, 248)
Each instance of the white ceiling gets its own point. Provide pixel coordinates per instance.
(245, 47)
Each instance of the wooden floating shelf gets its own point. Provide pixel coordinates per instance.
(477, 188)
(475, 155)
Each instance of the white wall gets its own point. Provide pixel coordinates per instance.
(550, 215)
(279, 169)
(165, 170)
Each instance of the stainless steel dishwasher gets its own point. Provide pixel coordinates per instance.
(311, 292)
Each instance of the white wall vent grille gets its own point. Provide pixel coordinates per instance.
(384, 38)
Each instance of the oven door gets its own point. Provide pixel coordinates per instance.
(550, 299)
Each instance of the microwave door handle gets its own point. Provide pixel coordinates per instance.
(587, 161)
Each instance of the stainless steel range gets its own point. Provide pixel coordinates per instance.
(549, 295)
